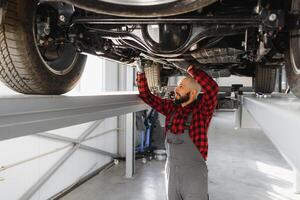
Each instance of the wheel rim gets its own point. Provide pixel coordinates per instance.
(294, 47)
(142, 8)
(294, 40)
(139, 2)
(56, 53)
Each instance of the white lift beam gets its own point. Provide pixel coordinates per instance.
(23, 115)
(279, 117)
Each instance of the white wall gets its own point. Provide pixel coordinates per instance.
(99, 76)
(228, 81)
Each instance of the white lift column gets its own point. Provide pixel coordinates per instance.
(279, 117)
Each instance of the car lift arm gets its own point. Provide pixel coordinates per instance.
(23, 115)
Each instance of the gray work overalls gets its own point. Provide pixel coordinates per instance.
(186, 170)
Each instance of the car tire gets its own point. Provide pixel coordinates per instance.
(22, 67)
(292, 56)
(292, 62)
(141, 8)
(265, 79)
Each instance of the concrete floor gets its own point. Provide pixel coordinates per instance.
(243, 165)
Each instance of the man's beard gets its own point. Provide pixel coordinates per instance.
(182, 99)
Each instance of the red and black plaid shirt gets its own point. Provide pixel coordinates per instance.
(202, 109)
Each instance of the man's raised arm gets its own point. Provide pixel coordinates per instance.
(209, 87)
(163, 106)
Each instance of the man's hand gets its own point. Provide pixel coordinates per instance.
(139, 66)
(189, 67)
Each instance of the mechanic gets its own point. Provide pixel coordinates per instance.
(187, 119)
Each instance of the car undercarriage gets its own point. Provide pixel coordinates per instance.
(228, 37)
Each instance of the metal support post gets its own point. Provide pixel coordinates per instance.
(122, 135)
(297, 181)
(238, 95)
(238, 113)
(130, 150)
